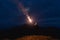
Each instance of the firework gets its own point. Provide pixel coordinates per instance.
(26, 13)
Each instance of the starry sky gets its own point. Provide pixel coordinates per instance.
(47, 12)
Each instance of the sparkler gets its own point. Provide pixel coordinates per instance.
(25, 11)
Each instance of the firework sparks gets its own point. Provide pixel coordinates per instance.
(25, 11)
(29, 19)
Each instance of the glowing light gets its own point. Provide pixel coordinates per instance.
(29, 19)
(26, 13)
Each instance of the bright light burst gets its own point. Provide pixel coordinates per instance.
(29, 19)
(26, 13)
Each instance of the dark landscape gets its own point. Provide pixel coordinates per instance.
(24, 30)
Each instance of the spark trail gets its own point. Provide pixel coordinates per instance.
(26, 13)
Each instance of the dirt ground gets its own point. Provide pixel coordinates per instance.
(36, 37)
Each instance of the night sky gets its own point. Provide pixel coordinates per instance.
(47, 12)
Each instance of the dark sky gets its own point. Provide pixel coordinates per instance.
(47, 12)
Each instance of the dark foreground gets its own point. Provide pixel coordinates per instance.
(24, 30)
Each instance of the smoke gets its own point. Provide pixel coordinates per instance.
(23, 9)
